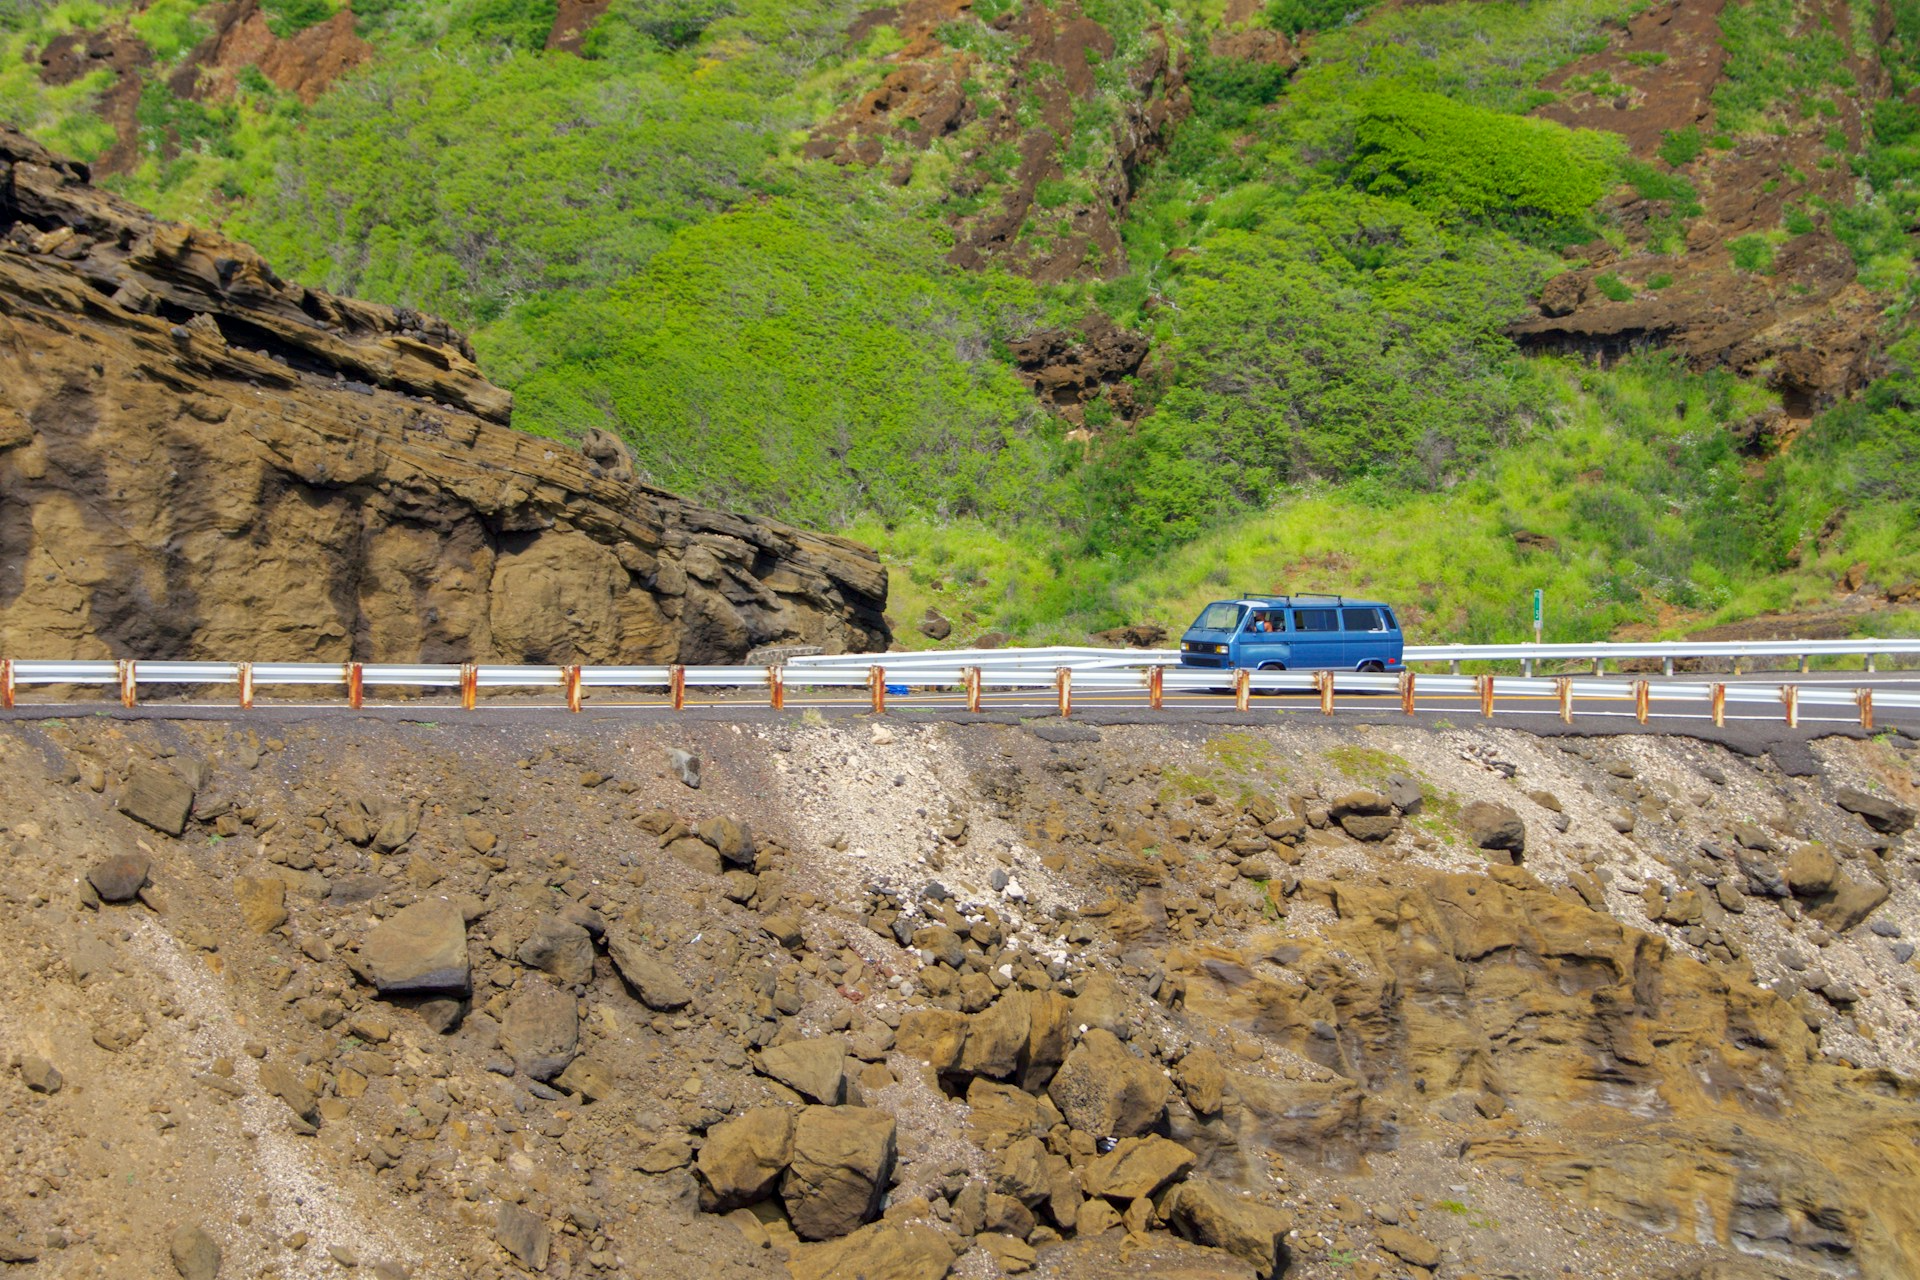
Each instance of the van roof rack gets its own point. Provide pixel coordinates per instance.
(1294, 597)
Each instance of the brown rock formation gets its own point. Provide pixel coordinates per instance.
(1806, 327)
(573, 21)
(303, 64)
(199, 459)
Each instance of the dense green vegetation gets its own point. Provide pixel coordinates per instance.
(1325, 260)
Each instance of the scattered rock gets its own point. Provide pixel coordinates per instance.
(40, 1075)
(815, 1068)
(1812, 871)
(647, 973)
(159, 797)
(262, 901)
(1494, 826)
(842, 1161)
(586, 1077)
(541, 1029)
(1202, 1080)
(685, 766)
(1410, 1248)
(743, 1158)
(422, 947)
(284, 1083)
(732, 838)
(1405, 793)
(1879, 813)
(1208, 1213)
(524, 1235)
(1137, 1167)
(196, 1256)
(119, 878)
(883, 1251)
(1104, 1090)
(561, 948)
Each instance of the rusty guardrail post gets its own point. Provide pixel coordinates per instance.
(6, 684)
(973, 689)
(1804, 660)
(1486, 696)
(129, 681)
(877, 686)
(469, 686)
(1406, 692)
(1641, 696)
(356, 686)
(246, 686)
(1242, 688)
(570, 681)
(1719, 701)
(1790, 698)
(1865, 698)
(1326, 693)
(677, 686)
(777, 688)
(1564, 688)
(1063, 690)
(1156, 687)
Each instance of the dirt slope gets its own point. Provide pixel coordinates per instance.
(1261, 1006)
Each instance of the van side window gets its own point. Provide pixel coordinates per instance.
(1316, 619)
(1364, 619)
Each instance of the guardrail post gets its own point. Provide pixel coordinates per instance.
(777, 688)
(1526, 667)
(973, 689)
(1453, 667)
(1790, 697)
(129, 679)
(1326, 693)
(1406, 692)
(1599, 666)
(6, 684)
(1870, 665)
(1564, 688)
(1719, 702)
(356, 686)
(877, 686)
(1242, 688)
(1486, 696)
(1736, 664)
(570, 680)
(246, 686)
(1803, 663)
(1666, 666)
(1641, 693)
(1865, 698)
(677, 686)
(1063, 690)
(469, 685)
(1156, 687)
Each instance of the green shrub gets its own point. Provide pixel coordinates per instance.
(1650, 183)
(287, 18)
(1659, 280)
(1647, 58)
(1679, 147)
(1752, 253)
(1457, 160)
(1295, 16)
(1796, 220)
(1614, 287)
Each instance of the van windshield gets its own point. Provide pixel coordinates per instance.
(1223, 615)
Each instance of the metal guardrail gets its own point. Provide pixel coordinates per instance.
(882, 674)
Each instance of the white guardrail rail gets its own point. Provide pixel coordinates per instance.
(1060, 672)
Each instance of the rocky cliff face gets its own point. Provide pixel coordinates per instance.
(199, 459)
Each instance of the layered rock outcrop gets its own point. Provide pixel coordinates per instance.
(200, 459)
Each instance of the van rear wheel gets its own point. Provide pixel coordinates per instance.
(1373, 667)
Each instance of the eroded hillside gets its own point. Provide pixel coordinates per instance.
(487, 999)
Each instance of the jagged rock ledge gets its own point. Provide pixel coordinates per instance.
(200, 459)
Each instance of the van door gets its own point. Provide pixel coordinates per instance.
(1263, 640)
(1367, 638)
(1316, 639)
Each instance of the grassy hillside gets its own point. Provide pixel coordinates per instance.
(1325, 257)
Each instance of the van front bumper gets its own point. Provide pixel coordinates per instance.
(1213, 660)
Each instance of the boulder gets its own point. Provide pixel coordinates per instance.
(196, 1255)
(541, 1029)
(1406, 793)
(1106, 1091)
(1020, 1170)
(418, 948)
(652, 978)
(698, 854)
(685, 766)
(1410, 1248)
(815, 1068)
(1494, 826)
(732, 838)
(40, 1075)
(999, 1115)
(561, 948)
(842, 1163)
(590, 1079)
(262, 901)
(159, 797)
(744, 1157)
(883, 1251)
(1878, 812)
(1202, 1079)
(1136, 1167)
(284, 1083)
(1812, 871)
(1360, 804)
(120, 877)
(524, 1234)
(936, 1036)
(1847, 903)
(1370, 827)
(1208, 1213)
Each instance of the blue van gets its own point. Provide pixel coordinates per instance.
(1295, 633)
